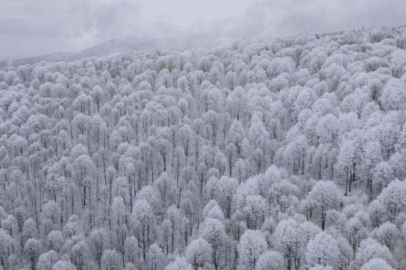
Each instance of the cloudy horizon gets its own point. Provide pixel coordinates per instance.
(32, 28)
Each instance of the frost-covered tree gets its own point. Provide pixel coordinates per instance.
(393, 199)
(47, 260)
(213, 232)
(179, 263)
(252, 246)
(198, 253)
(63, 265)
(323, 197)
(393, 95)
(271, 260)
(322, 250)
(371, 249)
(288, 243)
(376, 264)
(111, 260)
(144, 225)
(32, 250)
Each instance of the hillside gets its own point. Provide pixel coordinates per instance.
(107, 48)
(281, 154)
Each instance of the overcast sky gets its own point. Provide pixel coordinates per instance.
(35, 27)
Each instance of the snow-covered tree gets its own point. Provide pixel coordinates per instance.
(252, 246)
(198, 253)
(376, 264)
(322, 250)
(179, 263)
(323, 197)
(271, 260)
(63, 265)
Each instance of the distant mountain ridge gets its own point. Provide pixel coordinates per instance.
(103, 49)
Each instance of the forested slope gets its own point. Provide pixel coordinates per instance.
(281, 154)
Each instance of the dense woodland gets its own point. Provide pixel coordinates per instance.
(285, 154)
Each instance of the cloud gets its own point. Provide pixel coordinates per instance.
(265, 19)
(279, 17)
(33, 27)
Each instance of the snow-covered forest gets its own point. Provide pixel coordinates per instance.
(285, 154)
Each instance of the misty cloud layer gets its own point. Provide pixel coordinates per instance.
(30, 28)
